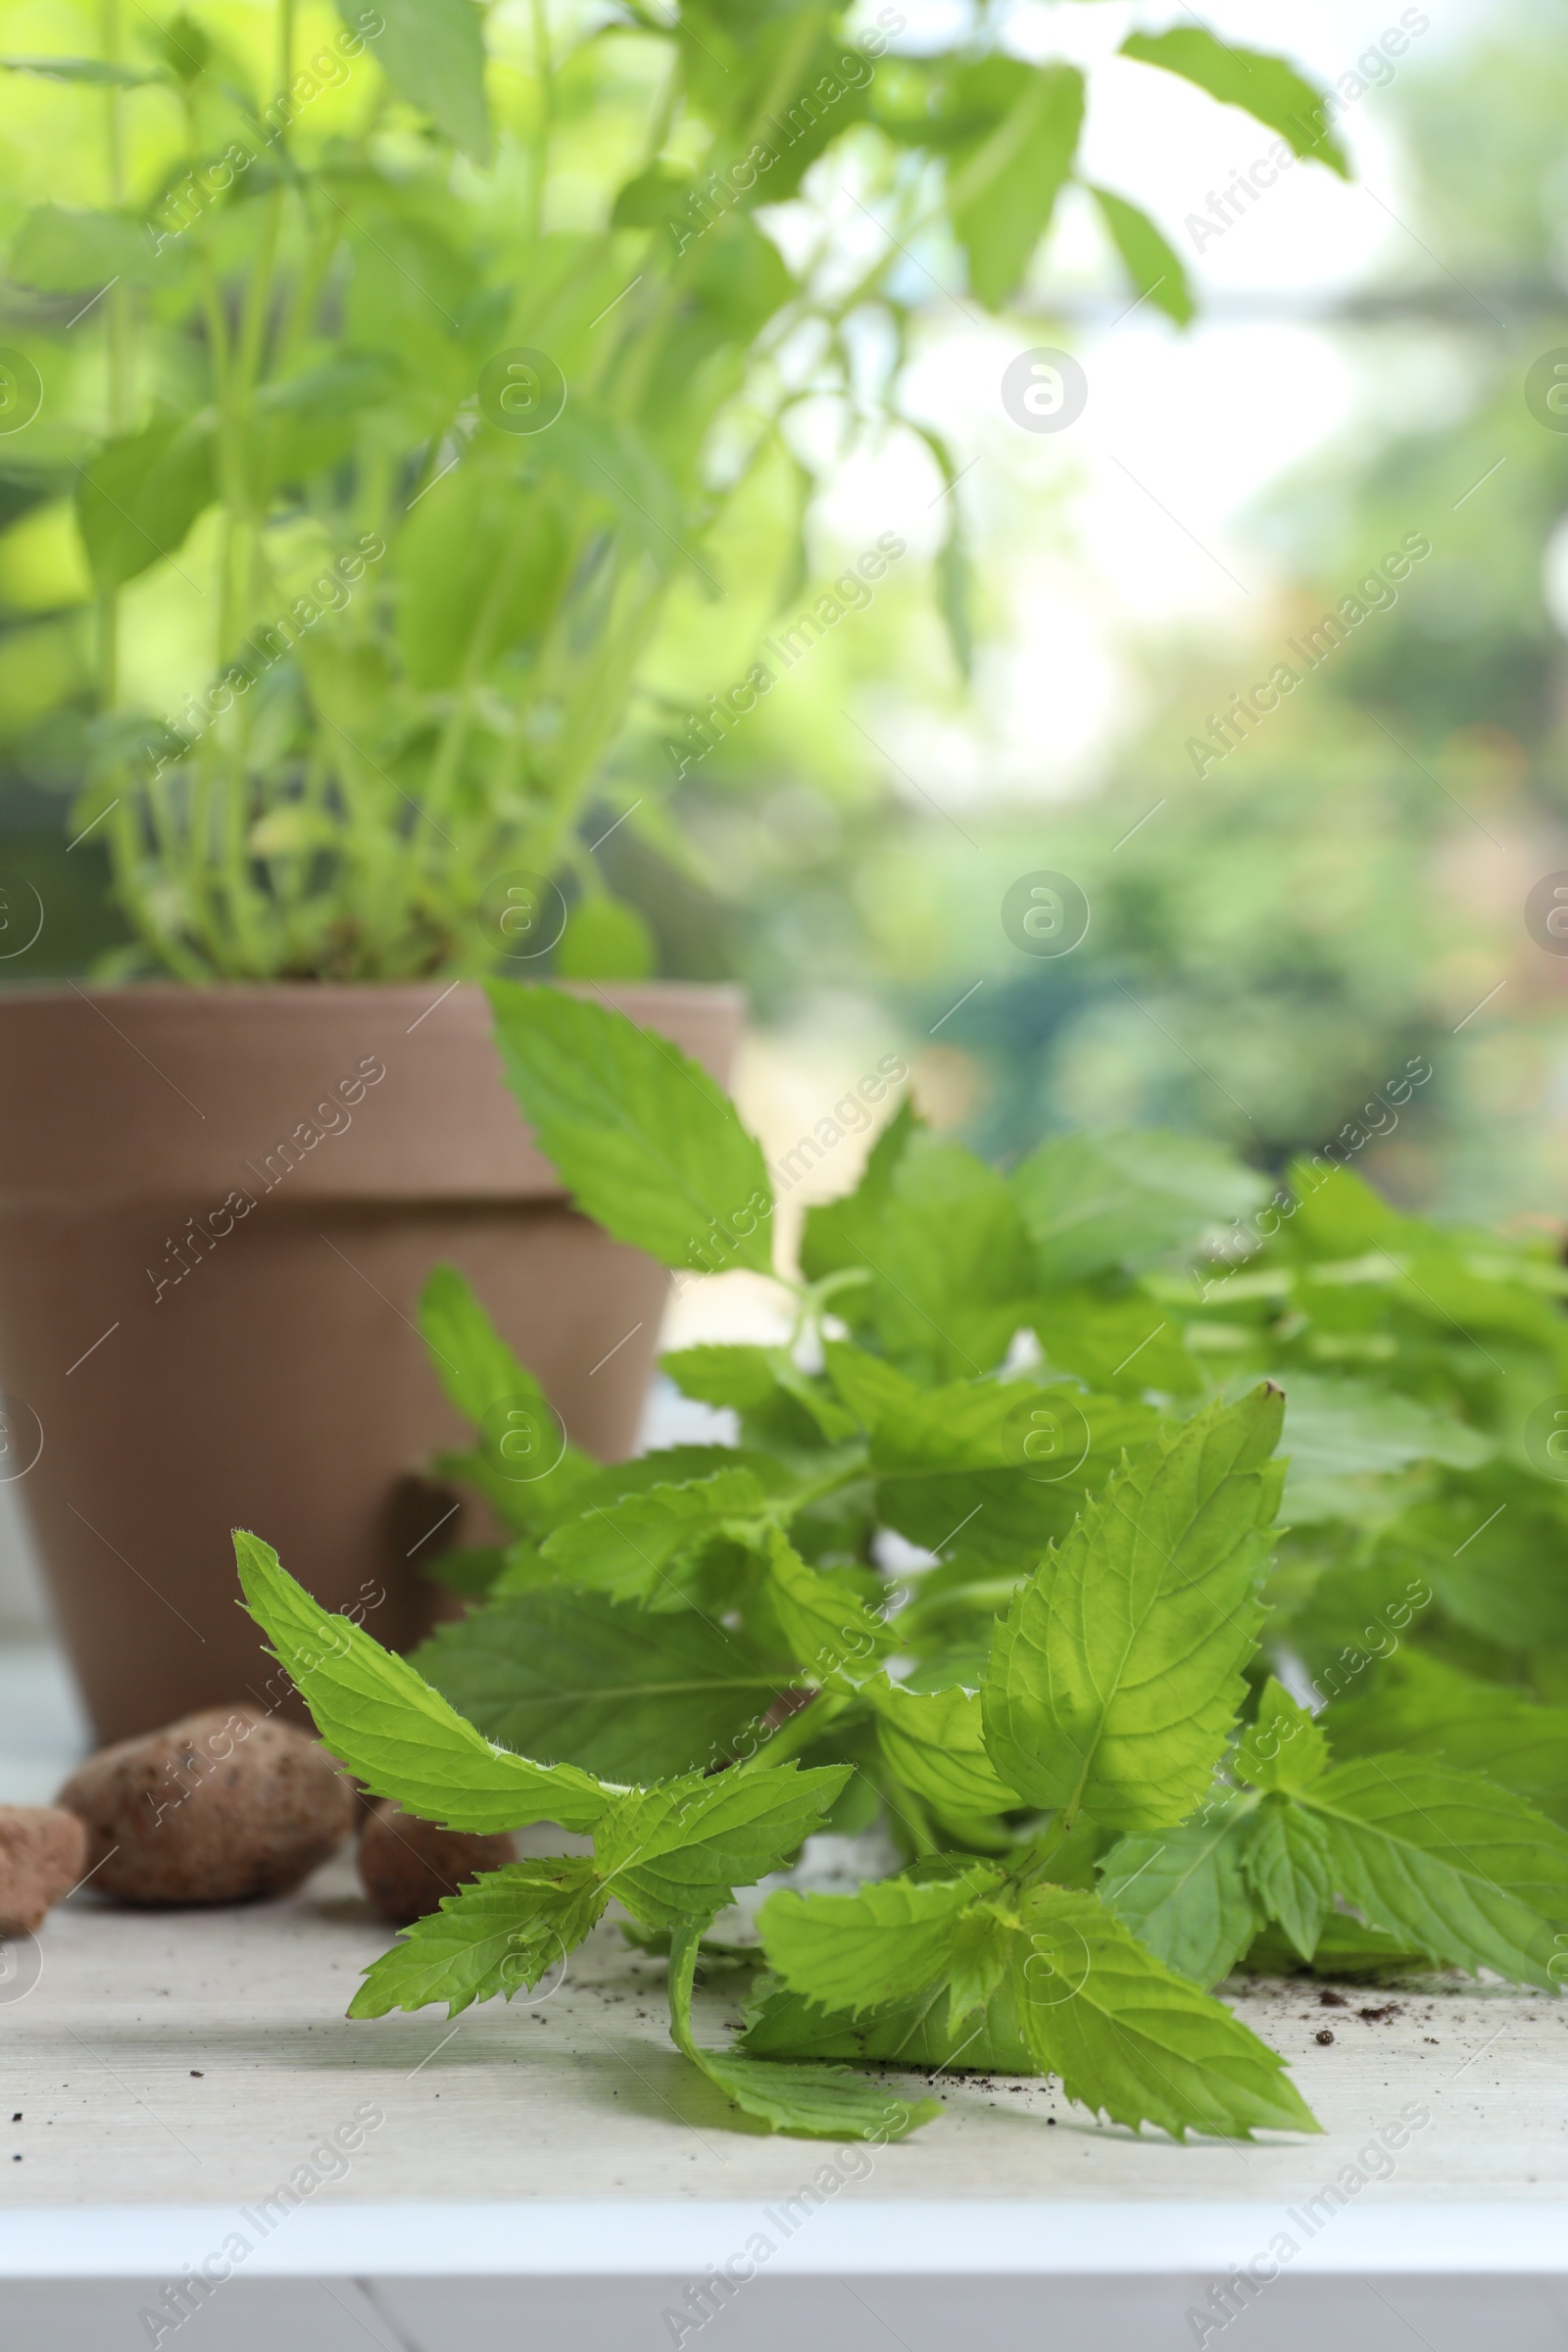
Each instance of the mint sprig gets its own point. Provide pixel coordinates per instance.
(1127, 1732)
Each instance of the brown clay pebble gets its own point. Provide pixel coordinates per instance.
(43, 1853)
(224, 1806)
(407, 1865)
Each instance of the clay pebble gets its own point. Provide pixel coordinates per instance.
(228, 1805)
(407, 1865)
(43, 1853)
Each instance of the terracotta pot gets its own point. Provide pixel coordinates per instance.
(205, 1316)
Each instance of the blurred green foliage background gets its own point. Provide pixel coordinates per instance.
(1276, 938)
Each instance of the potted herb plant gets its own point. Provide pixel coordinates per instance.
(424, 382)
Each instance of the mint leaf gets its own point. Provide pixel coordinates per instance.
(945, 1264)
(934, 1743)
(1004, 1465)
(1446, 1861)
(680, 1850)
(432, 52)
(1114, 1677)
(949, 1263)
(766, 1386)
(644, 1139)
(865, 1951)
(570, 1677)
(1096, 1202)
(1123, 1341)
(831, 1633)
(138, 498)
(500, 1934)
(1266, 87)
(1002, 189)
(920, 2033)
(1283, 1747)
(870, 1387)
(817, 2102)
(523, 1464)
(1432, 1709)
(1345, 1949)
(813, 2102)
(1185, 1893)
(384, 1721)
(1339, 1432)
(1156, 268)
(837, 1232)
(471, 1570)
(631, 1548)
(1288, 1866)
(1130, 2039)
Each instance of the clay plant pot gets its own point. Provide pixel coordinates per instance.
(217, 1207)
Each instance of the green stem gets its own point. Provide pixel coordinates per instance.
(685, 1940)
(802, 1729)
(118, 354)
(543, 69)
(285, 64)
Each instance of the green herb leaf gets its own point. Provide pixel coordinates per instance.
(1095, 1203)
(384, 1722)
(1283, 1747)
(1338, 1432)
(66, 251)
(139, 496)
(1289, 1868)
(481, 565)
(682, 1849)
(1114, 1676)
(665, 1166)
(949, 1262)
(573, 1677)
(761, 1382)
(1432, 1709)
(630, 1548)
(1130, 2039)
(1271, 91)
(1185, 1893)
(999, 1467)
(1152, 263)
(837, 1232)
(830, 1631)
(525, 1466)
(817, 2102)
(865, 1951)
(1446, 1861)
(500, 1934)
(934, 1742)
(1002, 189)
(89, 69)
(432, 52)
(925, 2031)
